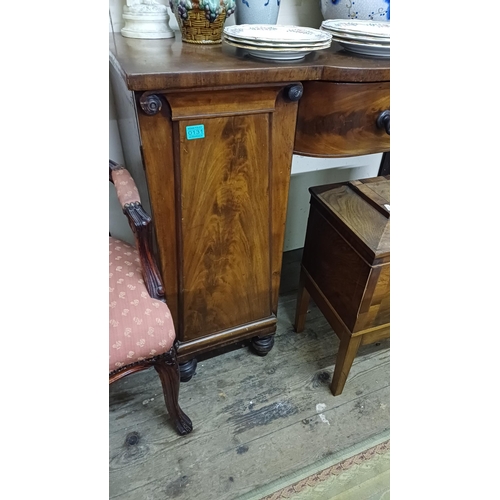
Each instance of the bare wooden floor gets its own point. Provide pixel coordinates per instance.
(255, 419)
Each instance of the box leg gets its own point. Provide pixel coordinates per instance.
(347, 352)
(302, 303)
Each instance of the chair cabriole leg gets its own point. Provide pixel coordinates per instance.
(170, 381)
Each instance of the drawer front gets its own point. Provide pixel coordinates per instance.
(340, 119)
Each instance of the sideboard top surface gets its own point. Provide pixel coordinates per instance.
(170, 63)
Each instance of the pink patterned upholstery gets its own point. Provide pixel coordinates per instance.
(139, 327)
(126, 189)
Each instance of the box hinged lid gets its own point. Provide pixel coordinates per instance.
(360, 211)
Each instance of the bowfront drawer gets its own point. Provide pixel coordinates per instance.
(343, 119)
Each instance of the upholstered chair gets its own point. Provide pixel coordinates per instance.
(141, 329)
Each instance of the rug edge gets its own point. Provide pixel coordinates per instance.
(272, 489)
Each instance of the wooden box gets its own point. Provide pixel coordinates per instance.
(346, 265)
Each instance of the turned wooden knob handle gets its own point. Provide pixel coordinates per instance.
(294, 92)
(383, 120)
(150, 104)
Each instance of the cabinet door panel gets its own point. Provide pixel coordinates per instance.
(225, 223)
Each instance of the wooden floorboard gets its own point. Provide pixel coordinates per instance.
(256, 419)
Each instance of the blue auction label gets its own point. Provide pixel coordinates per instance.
(195, 132)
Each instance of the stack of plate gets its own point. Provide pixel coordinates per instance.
(276, 42)
(371, 38)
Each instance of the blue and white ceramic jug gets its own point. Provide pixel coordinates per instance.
(257, 11)
(375, 10)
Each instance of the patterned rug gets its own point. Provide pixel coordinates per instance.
(359, 473)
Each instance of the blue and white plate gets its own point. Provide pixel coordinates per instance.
(370, 38)
(378, 29)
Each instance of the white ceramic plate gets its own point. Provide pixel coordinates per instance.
(276, 33)
(380, 46)
(275, 54)
(359, 26)
(272, 56)
(359, 38)
(296, 48)
(367, 49)
(257, 43)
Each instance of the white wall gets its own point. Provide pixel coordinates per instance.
(296, 12)
(118, 225)
(306, 172)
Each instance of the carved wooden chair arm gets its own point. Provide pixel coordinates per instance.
(140, 223)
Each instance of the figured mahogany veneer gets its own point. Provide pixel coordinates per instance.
(219, 202)
(340, 119)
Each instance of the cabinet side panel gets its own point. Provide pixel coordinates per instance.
(336, 267)
(282, 133)
(225, 223)
(157, 140)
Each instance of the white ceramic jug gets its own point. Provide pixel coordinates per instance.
(257, 11)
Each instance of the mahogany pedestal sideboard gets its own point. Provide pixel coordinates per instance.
(346, 266)
(217, 132)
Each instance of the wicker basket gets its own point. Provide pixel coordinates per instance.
(198, 29)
